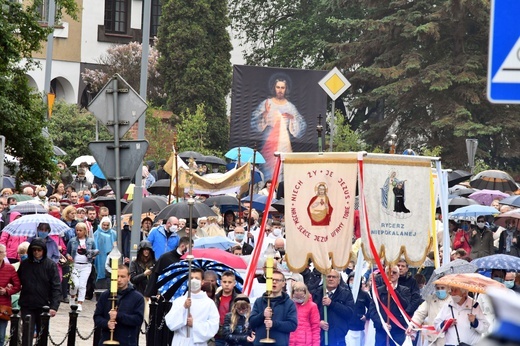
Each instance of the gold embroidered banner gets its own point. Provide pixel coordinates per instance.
(319, 208)
(233, 178)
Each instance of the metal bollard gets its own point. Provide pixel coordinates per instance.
(73, 324)
(15, 328)
(45, 318)
(28, 330)
(152, 318)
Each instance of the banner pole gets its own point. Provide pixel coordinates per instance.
(325, 313)
(252, 184)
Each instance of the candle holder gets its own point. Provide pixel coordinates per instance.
(269, 266)
(114, 256)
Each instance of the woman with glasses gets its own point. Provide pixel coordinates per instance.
(308, 331)
(236, 323)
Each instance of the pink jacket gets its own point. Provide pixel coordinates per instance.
(308, 331)
(11, 244)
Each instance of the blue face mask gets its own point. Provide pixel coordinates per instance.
(441, 294)
(86, 198)
(509, 283)
(23, 257)
(43, 234)
(93, 190)
(496, 278)
(239, 237)
(465, 227)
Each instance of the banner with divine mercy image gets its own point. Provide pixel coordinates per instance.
(319, 209)
(397, 192)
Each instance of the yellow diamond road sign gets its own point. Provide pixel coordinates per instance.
(334, 83)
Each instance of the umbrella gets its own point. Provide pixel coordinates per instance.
(457, 202)
(471, 212)
(182, 210)
(494, 180)
(22, 198)
(109, 202)
(224, 257)
(246, 155)
(89, 159)
(454, 267)
(485, 197)
(153, 204)
(185, 155)
(212, 160)
(513, 201)
(259, 201)
(28, 207)
(472, 282)
(104, 191)
(216, 242)
(173, 282)
(26, 225)
(224, 202)
(499, 261)
(513, 215)
(457, 176)
(160, 187)
(96, 170)
(279, 205)
(463, 191)
(9, 182)
(58, 151)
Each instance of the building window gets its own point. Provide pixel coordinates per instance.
(116, 16)
(155, 17)
(43, 12)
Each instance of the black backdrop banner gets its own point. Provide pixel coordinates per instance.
(276, 109)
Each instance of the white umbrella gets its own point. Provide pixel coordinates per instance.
(26, 225)
(85, 158)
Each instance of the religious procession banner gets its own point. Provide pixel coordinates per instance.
(169, 166)
(234, 178)
(397, 192)
(319, 209)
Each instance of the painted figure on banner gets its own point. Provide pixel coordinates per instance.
(399, 206)
(319, 208)
(279, 120)
(386, 199)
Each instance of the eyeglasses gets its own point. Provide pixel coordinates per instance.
(278, 280)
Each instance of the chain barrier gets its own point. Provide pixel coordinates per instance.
(147, 326)
(62, 341)
(85, 337)
(39, 336)
(161, 326)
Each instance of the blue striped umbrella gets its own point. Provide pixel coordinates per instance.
(26, 225)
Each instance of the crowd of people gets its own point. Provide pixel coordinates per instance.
(307, 308)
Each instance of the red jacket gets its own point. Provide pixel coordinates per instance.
(457, 244)
(8, 275)
(308, 331)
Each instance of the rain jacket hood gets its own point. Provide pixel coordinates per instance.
(36, 242)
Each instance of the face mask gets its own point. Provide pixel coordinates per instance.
(195, 285)
(54, 204)
(43, 234)
(441, 294)
(81, 178)
(277, 232)
(93, 190)
(86, 198)
(509, 283)
(42, 193)
(348, 271)
(243, 314)
(298, 300)
(350, 286)
(12, 206)
(480, 225)
(23, 257)
(496, 278)
(174, 228)
(239, 237)
(465, 227)
(456, 299)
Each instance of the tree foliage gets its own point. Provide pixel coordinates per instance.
(192, 132)
(160, 137)
(195, 61)
(22, 114)
(126, 60)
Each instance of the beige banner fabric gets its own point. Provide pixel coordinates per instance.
(397, 192)
(233, 178)
(319, 208)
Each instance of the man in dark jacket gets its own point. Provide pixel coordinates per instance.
(340, 308)
(127, 318)
(406, 279)
(280, 318)
(404, 296)
(224, 300)
(40, 283)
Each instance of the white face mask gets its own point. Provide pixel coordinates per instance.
(456, 299)
(277, 232)
(42, 193)
(174, 228)
(195, 285)
(480, 225)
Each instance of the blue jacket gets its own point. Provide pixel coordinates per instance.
(284, 318)
(160, 243)
(72, 247)
(130, 312)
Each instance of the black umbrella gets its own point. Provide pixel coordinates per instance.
(150, 204)
(463, 192)
(160, 187)
(185, 155)
(494, 180)
(109, 202)
(224, 203)
(279, 205)
(457, 176)
(458, 202)
(212, 160)
(9, 182)
(181, 210)
(29, 208)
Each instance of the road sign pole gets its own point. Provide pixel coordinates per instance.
(332, 124)
(115, 92)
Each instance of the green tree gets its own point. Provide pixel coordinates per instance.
(346, 139)
(192, 132)
(418, 69)
(22, 114)
(160, 137)
(195, 61)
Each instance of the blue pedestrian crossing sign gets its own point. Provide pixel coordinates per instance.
(504, 52)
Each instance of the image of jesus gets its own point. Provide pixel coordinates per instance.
(319, 208)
